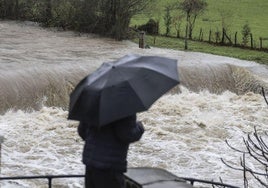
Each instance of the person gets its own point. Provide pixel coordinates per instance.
(105, 151)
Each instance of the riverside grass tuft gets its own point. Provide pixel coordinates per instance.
(232, 14)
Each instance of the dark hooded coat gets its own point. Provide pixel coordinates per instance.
(107, 147)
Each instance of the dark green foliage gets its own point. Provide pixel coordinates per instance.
(7, 9)
(167, 20)
(63, 14)
(105, 17)
(151, 27)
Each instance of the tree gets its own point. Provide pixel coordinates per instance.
(177, 20)
(226, 21)
(226, 16)
(192, 8)
(105, 17)
(64, 13)
(257, 150)
(167, 19)
(7, 9)
(116, 15)
(48, 14)
(246, 34)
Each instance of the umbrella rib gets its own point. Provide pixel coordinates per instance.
(132, 86)
(152, 69)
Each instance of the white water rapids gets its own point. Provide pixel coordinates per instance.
(185, 131)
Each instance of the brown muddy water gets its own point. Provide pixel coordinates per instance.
(218, 99)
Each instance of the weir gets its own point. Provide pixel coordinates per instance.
(32, 87)
(41, 67)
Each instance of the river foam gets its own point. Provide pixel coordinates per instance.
(185, 134)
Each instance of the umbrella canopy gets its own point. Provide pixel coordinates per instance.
(122, 88)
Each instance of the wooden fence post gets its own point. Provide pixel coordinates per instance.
(201, 35)
(235, 38)
(223, 35)
(251, 40)
(141, 39)
(209, 37)
(260, 43)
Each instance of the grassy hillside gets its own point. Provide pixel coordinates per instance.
(233, 14)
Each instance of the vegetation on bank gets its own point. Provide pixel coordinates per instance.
(196, 46)
(212, 26)
(105, 17)
(224, 27)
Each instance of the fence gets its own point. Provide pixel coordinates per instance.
(138, 178)
(261, 40)
(48, 177)
(222, 38)
(129, 182)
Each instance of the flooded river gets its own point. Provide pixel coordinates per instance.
(218, 98)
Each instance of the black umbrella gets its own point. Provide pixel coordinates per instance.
(122, 88)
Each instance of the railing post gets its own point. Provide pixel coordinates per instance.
(1, 141)
(49, 182)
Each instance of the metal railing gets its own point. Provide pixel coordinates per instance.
(48, 177)
(131, 184)
(193, 180)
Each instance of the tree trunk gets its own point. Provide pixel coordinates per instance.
(17, 9)
(48, 12)
(186, 33)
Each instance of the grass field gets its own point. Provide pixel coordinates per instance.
(232, 14)
(178, 44)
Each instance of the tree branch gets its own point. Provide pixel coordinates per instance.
(234, 148)
(263, 93)
(257, 149)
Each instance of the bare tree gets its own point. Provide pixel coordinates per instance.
(177, 20)
(167, 19)
(192, 8)
(226, 16)
(256, 149)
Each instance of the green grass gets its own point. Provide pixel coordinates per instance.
(178, 44)
(234, 13)
(237, 14)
